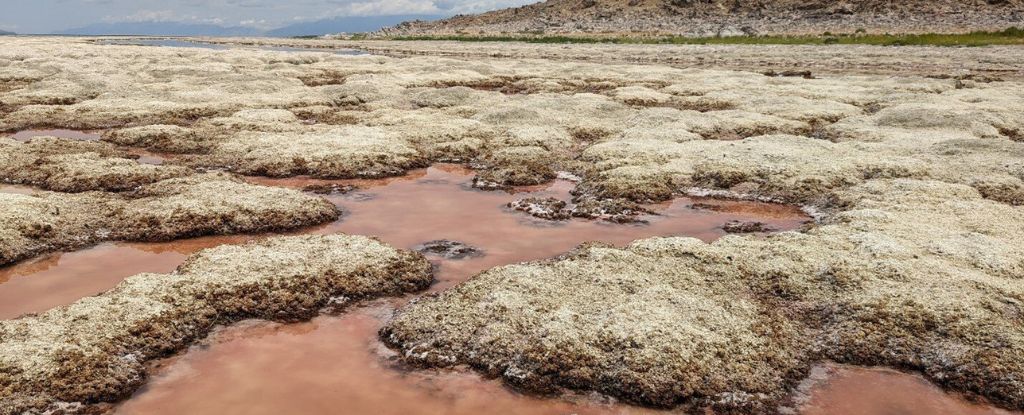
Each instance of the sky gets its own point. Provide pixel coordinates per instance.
(44, 16)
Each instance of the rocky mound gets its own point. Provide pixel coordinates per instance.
(730, 17)
(96, 349)
(175, 208)
(65, 165)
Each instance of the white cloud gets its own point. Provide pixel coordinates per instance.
(145, 16)
(388, 7)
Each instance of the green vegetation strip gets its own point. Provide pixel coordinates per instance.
(1011, 36)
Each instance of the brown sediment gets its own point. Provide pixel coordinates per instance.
(97, 348)
(293, 365)
(18, 189)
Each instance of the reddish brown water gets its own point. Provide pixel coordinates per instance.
(26, 135)
(426, 205)
(18, 189)
(62, 278)
(335, 363)
(845, 390)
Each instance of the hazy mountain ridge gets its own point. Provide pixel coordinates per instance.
(160, 29)
(725, 17)
(355, 24)
(352, 24)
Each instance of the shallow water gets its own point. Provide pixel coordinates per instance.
(425, 205)
(63, 278)
(846, 390)
(26, 135)
(18, 189)
(336, 363)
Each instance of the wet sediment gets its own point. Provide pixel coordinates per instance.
(97, 348)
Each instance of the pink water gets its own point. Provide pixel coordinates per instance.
(335, 363)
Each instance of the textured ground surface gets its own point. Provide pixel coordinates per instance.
(916, 262)
(1001, 61)
(96, 349)
(175, 208)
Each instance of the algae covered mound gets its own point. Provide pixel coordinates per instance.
(66, 165)
(174, 208)
(930, 282)
(96, 350)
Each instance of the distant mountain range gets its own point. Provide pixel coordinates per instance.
(318, 27)
(360, 24)
(160, 29)
(5, 33)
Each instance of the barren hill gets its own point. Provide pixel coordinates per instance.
(730, 17)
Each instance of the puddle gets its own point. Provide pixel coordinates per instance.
(329, 365)
(26, 135)
(335, 363)
(18, 190)
(62, 278)
(179, 43)
(426, 205)
(846, 390)
(437, 203)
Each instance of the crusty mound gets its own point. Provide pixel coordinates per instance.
(914, 274)
(96, 349)
(183, 207)
(66, 165)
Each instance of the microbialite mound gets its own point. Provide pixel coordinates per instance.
(66, 165)
(903, 278)
(202, 204)
(96, 350)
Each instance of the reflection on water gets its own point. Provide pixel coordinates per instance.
(174, 43)
(26, 135)
(62, 278)
(846, 390)
(328, 365)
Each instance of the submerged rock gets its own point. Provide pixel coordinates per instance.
(96, 350)
(746, 227)
(547, 208)
(449, 249)
(329, 188)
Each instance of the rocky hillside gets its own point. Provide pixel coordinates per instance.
(731, 17)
